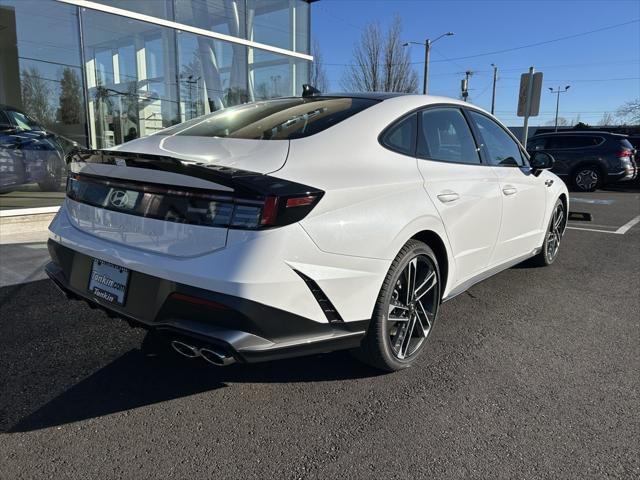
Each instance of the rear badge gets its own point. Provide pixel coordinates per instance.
(121, 162)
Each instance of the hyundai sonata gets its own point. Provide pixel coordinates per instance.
(302, 225)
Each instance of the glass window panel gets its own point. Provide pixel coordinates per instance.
(445, 135)
(212, 74)
(155, 8)
(281, 23)
(41, 85)
(221, 16)
(144, 97)
(503, 150)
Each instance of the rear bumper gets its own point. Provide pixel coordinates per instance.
(247, 330)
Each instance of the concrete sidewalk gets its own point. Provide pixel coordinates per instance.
(23, 256)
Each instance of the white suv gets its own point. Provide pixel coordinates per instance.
(301, 225)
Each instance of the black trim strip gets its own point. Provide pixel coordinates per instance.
(325, 304)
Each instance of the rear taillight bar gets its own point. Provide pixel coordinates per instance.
(195, 206)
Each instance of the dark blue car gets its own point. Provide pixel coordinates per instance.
(29, 153)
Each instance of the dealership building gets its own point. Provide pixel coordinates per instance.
(102, 72)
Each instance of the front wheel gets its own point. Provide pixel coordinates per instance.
(552, 237)
(405, 310)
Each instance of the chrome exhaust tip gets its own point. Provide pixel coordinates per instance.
(216, 358)
(219, 359)
(185, 349)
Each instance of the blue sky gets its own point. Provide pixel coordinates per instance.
(603, 68)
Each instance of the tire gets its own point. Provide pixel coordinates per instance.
(587, 178)
(414, 310)
(552, 237)
(53, 176)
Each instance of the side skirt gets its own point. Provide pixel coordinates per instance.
(463, 287)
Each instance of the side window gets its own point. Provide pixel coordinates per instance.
(536, 144)
(583, 141)
(401, 137)
(502, 150)
(445, 135)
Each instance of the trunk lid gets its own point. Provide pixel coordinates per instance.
(171, 195)
(260, 156)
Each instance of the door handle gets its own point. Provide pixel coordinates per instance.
(448, 196)
(509, 190)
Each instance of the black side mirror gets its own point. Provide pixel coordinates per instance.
(541, 161)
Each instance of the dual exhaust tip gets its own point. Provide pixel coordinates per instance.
(209, 354)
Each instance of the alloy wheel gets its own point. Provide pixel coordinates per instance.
(556, 227)
(587, 179)
(412, 307)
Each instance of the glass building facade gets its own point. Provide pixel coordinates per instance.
(101, 73)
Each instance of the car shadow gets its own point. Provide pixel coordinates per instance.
(63, 363)
(136, 380)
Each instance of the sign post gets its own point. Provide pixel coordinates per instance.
(529, 99)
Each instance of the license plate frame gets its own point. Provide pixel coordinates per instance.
(109, 282)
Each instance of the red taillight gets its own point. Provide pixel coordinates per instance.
(624, 153)
(301, 201)
(198, 301)
(269, 211)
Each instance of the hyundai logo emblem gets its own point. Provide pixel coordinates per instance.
(119, 199)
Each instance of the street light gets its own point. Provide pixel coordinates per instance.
(558, 92)
(427, 51)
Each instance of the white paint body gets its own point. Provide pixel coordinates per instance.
(375, 201)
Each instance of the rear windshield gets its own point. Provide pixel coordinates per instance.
(279, 119)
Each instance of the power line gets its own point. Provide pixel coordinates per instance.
(512, 49)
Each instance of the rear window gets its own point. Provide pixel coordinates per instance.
(278, 119)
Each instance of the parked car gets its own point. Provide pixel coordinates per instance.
(303, 225)
(29, 153)
(588, 160)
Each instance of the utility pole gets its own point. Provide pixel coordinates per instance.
(558, 92)
(527, 108)
(464, 85)
(493, 96)
(427, 54)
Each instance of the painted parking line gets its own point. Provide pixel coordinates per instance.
(620, 231)
(591, 201)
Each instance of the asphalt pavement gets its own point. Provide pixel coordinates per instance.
(534, 373)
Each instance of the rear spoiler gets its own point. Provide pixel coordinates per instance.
(243, 182)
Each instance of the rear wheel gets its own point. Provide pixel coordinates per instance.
(587, 178)
(405, 311)
(52, 181)
(552, 237)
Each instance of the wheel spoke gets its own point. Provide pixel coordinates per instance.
(411, 270)
(406, 340)
(423, 317)
(426, 286)
(399, 338)
(558, 220)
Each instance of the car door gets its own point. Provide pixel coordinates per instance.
(524, 194)
(11, 155)
(465, 192)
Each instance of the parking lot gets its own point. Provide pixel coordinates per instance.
(533, 373)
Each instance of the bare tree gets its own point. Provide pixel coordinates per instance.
(35, 96)
(607, 119)
(630, 112)
(380, 63)
(318, 76)
(562, 122)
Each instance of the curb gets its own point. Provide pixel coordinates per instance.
(38, 222)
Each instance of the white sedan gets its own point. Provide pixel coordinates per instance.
(302, 225)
